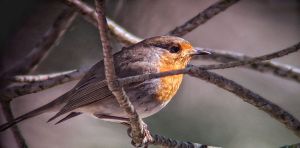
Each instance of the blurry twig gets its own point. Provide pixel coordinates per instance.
(91, 16)
(281, 70)
(41, 49)
(29, 63)
(202, 17)
(138, 131)
(16, 131)
(28, 88)
(40, 77)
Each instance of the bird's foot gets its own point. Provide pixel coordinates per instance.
(146, 133)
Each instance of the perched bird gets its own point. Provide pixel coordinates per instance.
(92, 96)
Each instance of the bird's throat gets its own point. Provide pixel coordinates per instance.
(169, 85)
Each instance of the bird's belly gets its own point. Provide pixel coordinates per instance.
(111, 111)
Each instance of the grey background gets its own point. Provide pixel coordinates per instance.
(200, 112)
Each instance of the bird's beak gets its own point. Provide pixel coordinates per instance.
(200, 51)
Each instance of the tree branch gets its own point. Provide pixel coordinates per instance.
(28, 88)
(15, 130)
(202, 17)
(250, 97)
(91, 16)
(63, 77)
(29, 63)
(278, 69)
(42, 48)
(281, 70)
(118, 92)
(168, 142)
(40, 77)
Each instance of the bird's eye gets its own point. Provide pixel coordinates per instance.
(174, 49)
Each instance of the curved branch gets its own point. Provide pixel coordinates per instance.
(281, 70)
(110, 74)
(202, 17)
(250, 97)
(91, 16)
(42, 48)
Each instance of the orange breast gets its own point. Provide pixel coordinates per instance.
(169, 85)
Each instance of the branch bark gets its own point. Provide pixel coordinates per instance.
(42, 48)
(29, 63)
(202, 17)
(278, 69)
(28, 88)
(15, 129)
(118, 92)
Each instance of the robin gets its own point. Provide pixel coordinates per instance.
(92, 96)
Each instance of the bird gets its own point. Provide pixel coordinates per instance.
(92, 96)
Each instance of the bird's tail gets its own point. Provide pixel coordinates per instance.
(45, 108)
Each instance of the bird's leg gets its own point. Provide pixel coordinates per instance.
(148, 138)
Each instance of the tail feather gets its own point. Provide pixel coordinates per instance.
(34, 113)
(28, 115)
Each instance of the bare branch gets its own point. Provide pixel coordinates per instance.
(281, 70)
(15, 130)
(278, 69)
(144, 77)
(168, 142)
(42, 48)
(250, 97)
(30, 62)
(118, 92)
(270, 56)
(202, 17)
(41, 77)
(91, 16)
(20, 90)
(27, 88)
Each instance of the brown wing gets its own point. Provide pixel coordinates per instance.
(85, 95)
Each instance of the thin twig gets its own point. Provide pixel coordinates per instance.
(16, 91)
(144, 77)
(91, 16)
(168, 142)
(40, 77)
(15, 130)
(30, 62)
(278, 69)
(118, 92)
(250, 97)
(28, 88)
(42, 48)
(202, 17)
(270, 56)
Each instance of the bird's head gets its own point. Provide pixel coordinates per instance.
(174, 52)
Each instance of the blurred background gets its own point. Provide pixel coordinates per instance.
(200, 112)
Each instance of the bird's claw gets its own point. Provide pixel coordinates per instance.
(146, 134)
